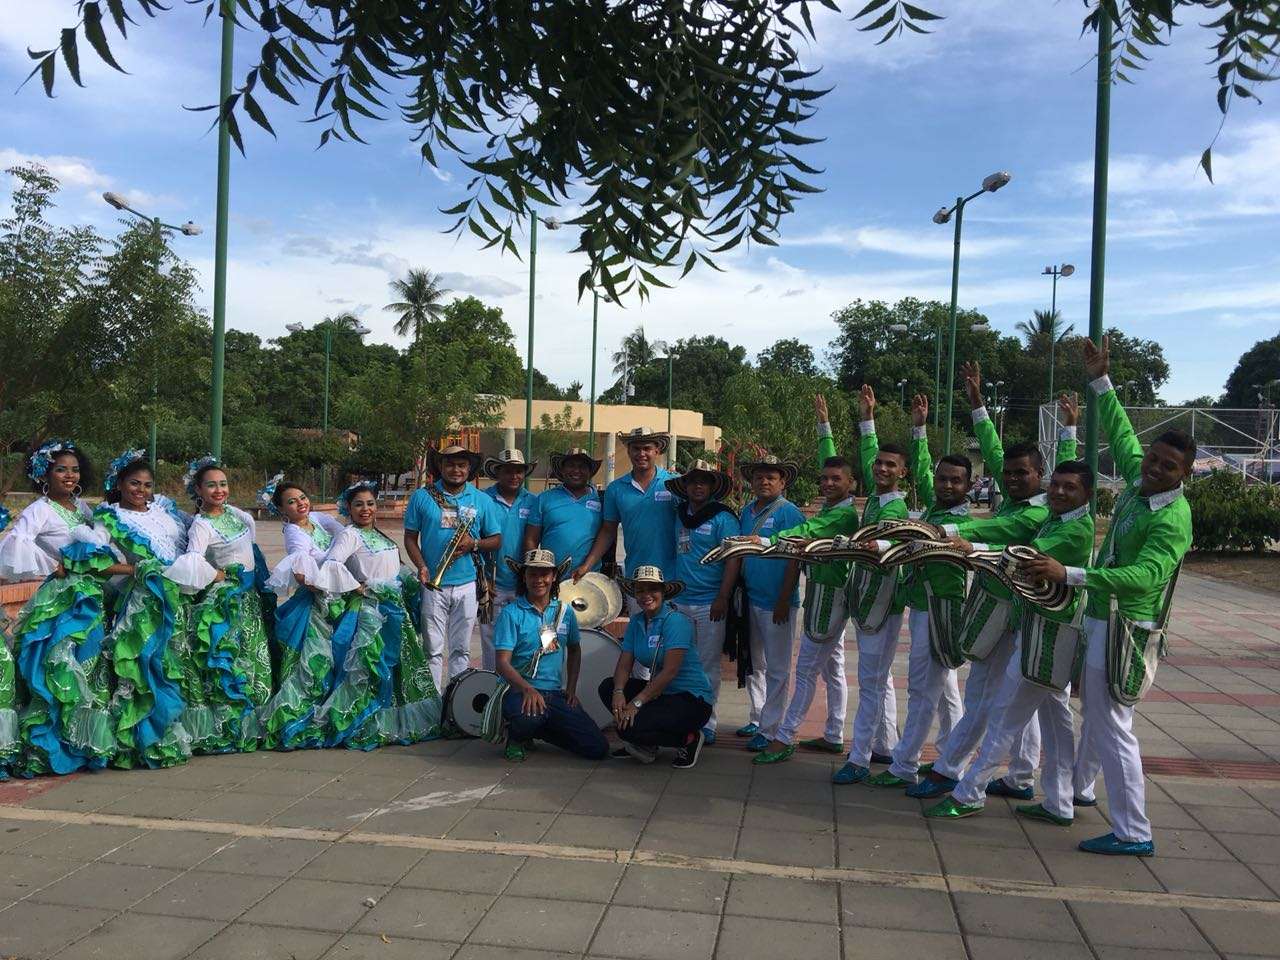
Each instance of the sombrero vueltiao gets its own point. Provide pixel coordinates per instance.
(507, 458)
(651, 576)
(573, 453)
(721, 482)
(788, 469)
(435, 459)
(539, 560)
(641, 435)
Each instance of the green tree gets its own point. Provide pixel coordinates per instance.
(420, 303)
(556, 433)
(790, 357)
(1044, 327)
(1257, 368)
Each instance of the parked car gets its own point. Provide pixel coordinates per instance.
(980, 492)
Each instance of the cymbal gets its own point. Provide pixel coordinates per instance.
(595, 600)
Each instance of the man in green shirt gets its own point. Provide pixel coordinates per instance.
(1067, 536)
(1128, 590)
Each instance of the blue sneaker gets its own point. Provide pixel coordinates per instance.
(750, 730)
(998, 788)
(850, 773)
(708, 736)
(930, 788)
(758, 743)
(1113, 846)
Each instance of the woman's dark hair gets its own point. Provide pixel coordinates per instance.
(86, 468)
(198, 479)
(283, 487)
(522, 588)
(136, 466)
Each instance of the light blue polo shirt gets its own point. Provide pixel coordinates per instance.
(569, 524)
(519, 629)
(435, 529)
(646, 517)
(764, 577)
(701, 583)
(513, 519)
(649, 641)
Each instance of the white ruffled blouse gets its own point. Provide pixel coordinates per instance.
(357, 557)
(210, 550)
(162, 525)
(304, 551)
(33, 546)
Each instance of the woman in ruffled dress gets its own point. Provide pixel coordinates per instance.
(149, 641)
(382, 690)
(63, 678)
(304, 623)
(228, 637)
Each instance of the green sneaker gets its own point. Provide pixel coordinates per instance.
(822, 744)
(515, 752)
(951, 809)
(784, 754)
(886, 779)
(925, 769)
(1036, 811)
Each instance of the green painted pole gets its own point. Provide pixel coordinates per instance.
(951, 354)
(324, 429)
(595, 324)
(220, 234)
(1053, 329)
(670, 381)
(937, 374)
(157, 239)
(1098, 256)
(528, 373)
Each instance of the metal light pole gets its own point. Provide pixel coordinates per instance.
(902, 394)
(937, 363)
(227, 12)
(990, 185)
(670, 381)
(595, 326)
(188, 229)
(1098, 253)
(995, 402)
(1055, 271)
(552, 224)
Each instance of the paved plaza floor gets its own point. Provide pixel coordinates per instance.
(443, 850)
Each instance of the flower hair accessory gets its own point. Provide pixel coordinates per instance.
(267, 495)
(43, 457)
(344, 498)
(193, 468)
(118, 464)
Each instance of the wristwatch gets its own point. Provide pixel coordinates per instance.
(637, 703)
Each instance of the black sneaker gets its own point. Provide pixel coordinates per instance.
(687, 755)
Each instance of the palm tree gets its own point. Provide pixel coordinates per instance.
(420, 302)
(1043, 326)
(634, 351)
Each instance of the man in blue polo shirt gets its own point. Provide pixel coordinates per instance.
(431, 520)
(641, 503)
(566, 519)
(513, 505)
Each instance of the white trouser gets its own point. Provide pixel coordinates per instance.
(980, 692)
(709, 636)
(818, 659)
(928, 683)
(767, 687)
(1108, 731)
(875, 691)
(488, 658)
(1019, 703)
(448, 617)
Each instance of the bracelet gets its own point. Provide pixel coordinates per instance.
(620, 693)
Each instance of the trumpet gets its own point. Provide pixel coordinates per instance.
(450, 554)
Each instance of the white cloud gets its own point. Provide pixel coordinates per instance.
(72, 172)
(918, 244)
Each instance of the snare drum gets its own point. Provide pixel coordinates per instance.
(467, 696)
(600, 653)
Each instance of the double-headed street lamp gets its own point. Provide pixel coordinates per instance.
(327, 326)
(990, 185)
(551, 223)
(1055, 271)
(188, 229)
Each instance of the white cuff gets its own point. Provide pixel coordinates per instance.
(1102, 384)
(979, 414)
(21, 559)
(1075, 576)
(980, 546)
(866, 427)
(824, 429)
(191, 572)
(950, 529)
(882, 545)
(1067, 432)
(333, 578)
(919, 433)
(282, 581)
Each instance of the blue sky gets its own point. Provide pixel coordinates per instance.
(1002, 84)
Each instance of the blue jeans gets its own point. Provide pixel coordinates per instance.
(569, 728)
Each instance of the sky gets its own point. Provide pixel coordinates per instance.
(909, 125)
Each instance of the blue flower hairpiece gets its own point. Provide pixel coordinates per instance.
(118, 464)
(267, 495)
(5, 517)
(193, 468)
(344, 498)
(42, 459)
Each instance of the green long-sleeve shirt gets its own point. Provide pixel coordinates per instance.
(944, 579)
(1148, 536)
(835, 573)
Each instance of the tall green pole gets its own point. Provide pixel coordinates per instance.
(951, 354)
(156, 237)
(1098, 256)
(591, 422)
(324, 430)
(528, 373)
(1053, 329)
(220, 233)
(670, 381)
(937, 373)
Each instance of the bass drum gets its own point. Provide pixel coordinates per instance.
(599, 659)
(467, 696)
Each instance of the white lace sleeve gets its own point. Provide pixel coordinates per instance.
(332, 576)
(20, 557)
(191, 571)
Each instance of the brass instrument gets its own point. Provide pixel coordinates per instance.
(450, 553)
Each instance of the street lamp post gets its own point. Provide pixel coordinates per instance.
(551, 224)
(327, 326)
(995, 402)
(595, 326)
(990, 185)
(902, 393)
(937, 364)
(1055, 271)
(666, 353)
(1127, 385)
(188, 229)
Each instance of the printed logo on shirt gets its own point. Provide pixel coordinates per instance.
(683, 543)
(593, 505)
(768, 522)
(524, 513)
(563, 629)
(662, 494)
(705, 528)
(654, 640)
(448, 519)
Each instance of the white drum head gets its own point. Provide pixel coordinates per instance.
(599, 659)
(468, 695)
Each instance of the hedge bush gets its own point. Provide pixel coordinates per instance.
(1229, 514)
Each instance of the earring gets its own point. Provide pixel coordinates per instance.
(44, 488)
(77, 492)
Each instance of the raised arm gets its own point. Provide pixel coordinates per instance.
(983, 428)
(868, 442)
(1068, 416)
(1126, 451)
(921, 459)
(826, 442)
